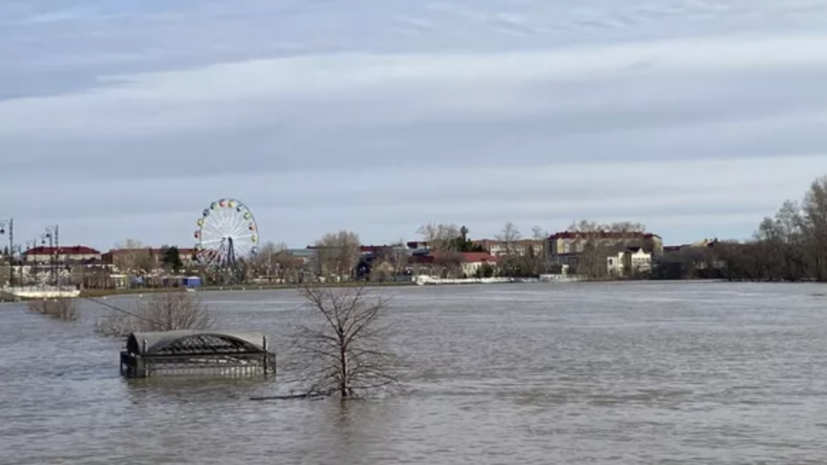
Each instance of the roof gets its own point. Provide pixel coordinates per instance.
(153, 250)
(602, 234)
(467, 257)
(473, 257)
(380, 248)
(70, 250)
(194, 341)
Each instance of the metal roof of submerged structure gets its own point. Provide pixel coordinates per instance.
(188, 341)
(190, 352)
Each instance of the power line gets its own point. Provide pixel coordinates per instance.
(112, 307)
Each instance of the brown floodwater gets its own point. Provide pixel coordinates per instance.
(626, 373)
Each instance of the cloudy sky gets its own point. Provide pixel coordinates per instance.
(124, 119)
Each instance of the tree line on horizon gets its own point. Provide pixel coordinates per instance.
(788, 246)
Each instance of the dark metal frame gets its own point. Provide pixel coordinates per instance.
(199, 355)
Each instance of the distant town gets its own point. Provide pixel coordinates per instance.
(587, 251)
(789, 246)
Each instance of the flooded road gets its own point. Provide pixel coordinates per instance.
(620, 373)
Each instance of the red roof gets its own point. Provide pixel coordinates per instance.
(467, 257)
(473, 257)
(67, 250)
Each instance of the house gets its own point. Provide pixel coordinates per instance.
(632, 261)
(458, 264)
(637, 261)
(473, 261)
(62, 254)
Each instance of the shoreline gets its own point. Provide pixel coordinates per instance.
(94, 293)
(98, 293)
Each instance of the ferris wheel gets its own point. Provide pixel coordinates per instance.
(227, 235)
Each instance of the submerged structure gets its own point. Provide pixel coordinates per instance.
(197, 353)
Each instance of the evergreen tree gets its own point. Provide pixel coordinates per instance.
(172, 259)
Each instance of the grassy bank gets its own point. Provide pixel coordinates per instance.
(240, 287)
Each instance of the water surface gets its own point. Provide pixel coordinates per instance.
(656, 373)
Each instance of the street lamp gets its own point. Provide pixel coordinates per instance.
(4, 226)
(53, 235)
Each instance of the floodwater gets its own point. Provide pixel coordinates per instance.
(626, 373)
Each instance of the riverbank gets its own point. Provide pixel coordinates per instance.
(241, 287)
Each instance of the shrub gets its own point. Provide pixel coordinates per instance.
(58, 309)
(166, 311)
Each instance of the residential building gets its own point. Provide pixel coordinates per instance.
(454, 264)
(521, 247)
(473, 261)
(632, 261)
(564, 247)
(62, 254)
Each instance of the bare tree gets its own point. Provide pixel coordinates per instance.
(343, 346)
(790, 246)
(510, 237)
(440, 236)
(163, 311)
(127, 255)
(267, 260)
(539, 234)
(338, 254)
(814, 210)
(390, 261)
(59, 309)
(541, 254)
(398, 256)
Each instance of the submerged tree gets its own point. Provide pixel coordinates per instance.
(59, 309)
(164, 311)
(343, 346)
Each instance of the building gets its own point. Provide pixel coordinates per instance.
(696, 260)
(454, 264)
(62, 254)
(564, 247)
(143, 259)
(632, 261)
(520, 247)
(472, 262)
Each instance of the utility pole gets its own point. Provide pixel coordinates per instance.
(10, 225)
(32, 267)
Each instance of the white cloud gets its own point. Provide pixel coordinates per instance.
(366, 89)
(691, 116)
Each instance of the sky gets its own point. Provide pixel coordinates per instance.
(124, 119)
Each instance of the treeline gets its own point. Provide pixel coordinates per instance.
(789, 246)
